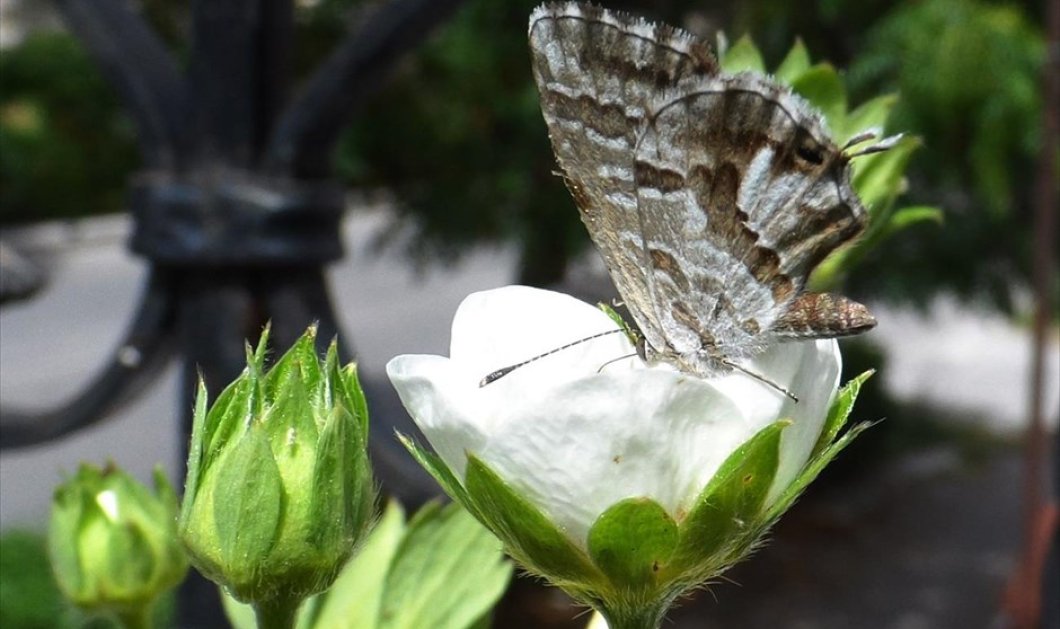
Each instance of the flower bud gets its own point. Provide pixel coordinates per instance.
(279, 488)
(112, 543)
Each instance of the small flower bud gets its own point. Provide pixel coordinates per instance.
(112, 543)
(279, 489)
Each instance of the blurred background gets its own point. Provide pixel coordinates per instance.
(449, 188)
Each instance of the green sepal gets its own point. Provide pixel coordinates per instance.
(528, 535)
(724, 517)
(437, 468)
(195, 453)
(290, 387)
(299, 364)
(743, 56)
(631, 333)
(227, 416)
(248, 520)
(839, 411)
(335, 497)
(794, 64)
(129, 563)
(632, 541)
(822, 87)
(811, 471)
(164, 489)
(346, 387)
(64, 532)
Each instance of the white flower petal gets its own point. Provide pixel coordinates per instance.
(441, 399)
(502, 327)
(597, 440)
(573, 439)
(810, 371)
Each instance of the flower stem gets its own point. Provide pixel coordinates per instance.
(639, 617)
(277, 613)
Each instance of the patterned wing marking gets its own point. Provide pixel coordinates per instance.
(597, 72)
(738, 182)
(690, 163)
(822, 315)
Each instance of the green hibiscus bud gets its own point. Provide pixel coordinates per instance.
(113, 544)
(279, 488)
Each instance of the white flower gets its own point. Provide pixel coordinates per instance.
(581, 429)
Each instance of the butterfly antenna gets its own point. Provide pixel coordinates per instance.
(764, 380)
(885, 144)
(500, 373)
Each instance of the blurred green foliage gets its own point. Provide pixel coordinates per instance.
(65, 147)
(30, 598)
(457, 141)
(878, 178)
(969, 73)
(458, 136)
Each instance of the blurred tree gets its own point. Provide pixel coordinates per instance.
(969, 75)
(456, 138)
(65, 147)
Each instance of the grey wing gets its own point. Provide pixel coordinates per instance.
(742, 194)
(597, 72)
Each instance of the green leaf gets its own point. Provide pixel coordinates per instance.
(822, 87)
(872, 114)
(448, 572)
(247, 520)
(632, 541)
(529, 536)
(794, 64)
(840, 411)
(743, 56)
(911, 215)
(355, 598)
(878, 178)
(728, 509)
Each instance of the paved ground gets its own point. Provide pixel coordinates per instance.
(925, 542)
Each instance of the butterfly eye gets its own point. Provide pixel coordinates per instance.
(809, 153)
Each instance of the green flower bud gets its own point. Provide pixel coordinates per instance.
(279, 488)
(112, 543)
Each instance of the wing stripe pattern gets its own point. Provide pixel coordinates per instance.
(710, 196)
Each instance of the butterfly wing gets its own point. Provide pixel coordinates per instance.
(597, 73)
(711, 197)
(742, 193)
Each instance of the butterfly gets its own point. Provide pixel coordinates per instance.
(710, 196)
